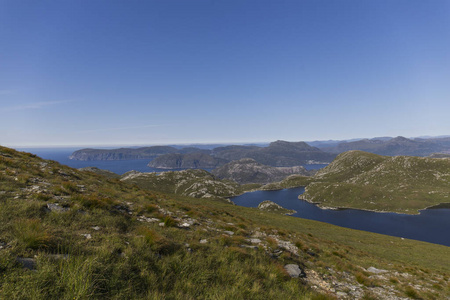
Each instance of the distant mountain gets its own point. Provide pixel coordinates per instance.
(439, 155)
(193, 160)
(394, 146)
(365, 180)
(277, 154)
(129, 153)
(248, 170)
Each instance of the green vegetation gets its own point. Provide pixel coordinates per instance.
(291, 181)
(195, 183)
(247, 170)
(363, 180)
(270, 206)
(85, 236)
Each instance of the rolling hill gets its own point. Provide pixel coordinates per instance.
(71, 234)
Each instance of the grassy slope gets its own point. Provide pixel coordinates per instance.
(128, 257)
(363, 180)
(192, 182)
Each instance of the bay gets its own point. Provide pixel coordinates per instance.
(431, 225)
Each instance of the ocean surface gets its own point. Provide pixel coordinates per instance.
(431, 225)
(61, 155)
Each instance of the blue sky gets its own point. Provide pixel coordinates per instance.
(92, 72)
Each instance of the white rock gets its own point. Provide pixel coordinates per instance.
(87, 235)
(293, 270)
(376, 271)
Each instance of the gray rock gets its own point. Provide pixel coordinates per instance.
(294, 271)
(254, 241)
(341, 294)
(96, 228)
(203, 241)
(184, 225)
(27, 262)
(55, 207)
(87, 235)
(229, 232)
(249, 246)
(376, 271)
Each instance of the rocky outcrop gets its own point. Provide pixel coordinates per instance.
(248, 170)
(192, 183)
(195, 160)
(102, 172)
(271, 206)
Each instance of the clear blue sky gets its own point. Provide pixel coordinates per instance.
(110, 72)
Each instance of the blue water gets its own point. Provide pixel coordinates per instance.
(431, 225)
(61, 155)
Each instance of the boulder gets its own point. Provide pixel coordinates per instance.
(294, 271)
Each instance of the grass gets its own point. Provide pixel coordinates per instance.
(357, 179)
(31, 234)
(129, 259)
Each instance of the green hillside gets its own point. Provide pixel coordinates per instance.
(359, 179)
(70, 234)
(192, 182)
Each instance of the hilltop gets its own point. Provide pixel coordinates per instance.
(248, 170)
(364, 180)
(71, 234)
(192, 183)
(393, 146)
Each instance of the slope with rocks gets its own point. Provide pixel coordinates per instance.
(191, 160)
(70, 234)
(364, 180)
(192, 183)
(391, 147)
(248, 170)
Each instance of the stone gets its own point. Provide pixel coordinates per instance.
(229, 232)
(376, 271)
(184, 225)
(341, 294)
(27, 262)
(96, 228)
(294, 271)
(203, 241)
(254, 241)
(55, 207)
(87, 235)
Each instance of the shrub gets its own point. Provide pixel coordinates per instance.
(30, 233)
(69, 186)
(411, 292)
(169, 221)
